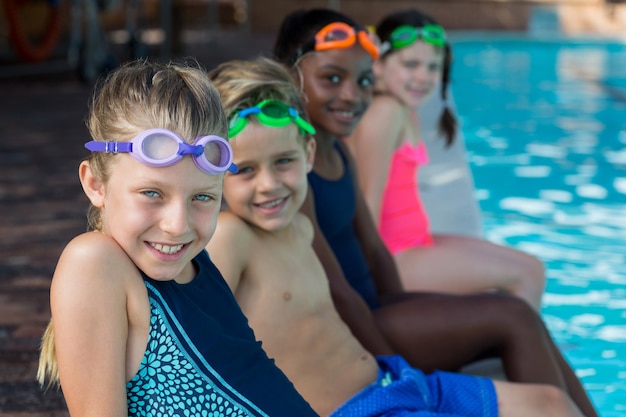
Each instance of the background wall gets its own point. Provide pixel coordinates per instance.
(572, 16)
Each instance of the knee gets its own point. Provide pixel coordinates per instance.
(531, 280)
(553, 401)
(515, 315)
(530, 270)
(536, 270)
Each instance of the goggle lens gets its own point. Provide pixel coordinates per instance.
(159, 147)
(213, 153)
(434, 34)
(274, 109)
(336, 35)
(405, 36)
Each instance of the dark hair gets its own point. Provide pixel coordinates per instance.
(413, 17)
(299, 27)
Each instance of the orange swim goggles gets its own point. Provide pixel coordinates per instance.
(339, 35)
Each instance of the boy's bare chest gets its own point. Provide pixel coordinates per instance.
(288, 271)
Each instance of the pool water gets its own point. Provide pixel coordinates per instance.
(545, 128)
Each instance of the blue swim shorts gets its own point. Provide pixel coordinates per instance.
(402, 391)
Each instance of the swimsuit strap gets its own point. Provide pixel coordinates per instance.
(342, 154)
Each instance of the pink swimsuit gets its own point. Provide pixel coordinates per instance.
(404, 223)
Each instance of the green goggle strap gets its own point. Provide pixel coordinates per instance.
(270, 113)
(406, 35)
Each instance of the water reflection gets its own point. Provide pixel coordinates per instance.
(547, 144)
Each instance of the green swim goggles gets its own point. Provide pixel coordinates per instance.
(272, 113)
(406, 35)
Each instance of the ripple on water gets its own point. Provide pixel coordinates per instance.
(557, 196)
(620, 185)
(530, 206)
(592, 191)
(536, 171)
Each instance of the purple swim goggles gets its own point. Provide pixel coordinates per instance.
(161, 148)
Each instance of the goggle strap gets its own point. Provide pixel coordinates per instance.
(187, 149)
(293, 113)
(109, 147)
(367, 43)
(250, 110)
(304, 126)
(384, 48)
(306, 48)
(299, 121)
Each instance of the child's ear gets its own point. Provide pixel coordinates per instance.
(310, 153)
(92, 186)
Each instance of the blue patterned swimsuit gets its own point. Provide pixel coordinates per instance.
(202, 358)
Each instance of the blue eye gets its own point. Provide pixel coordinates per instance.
(243, 170)
(435, 67)
(204, 197)
(151, 193)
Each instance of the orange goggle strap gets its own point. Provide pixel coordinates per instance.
(321, 42)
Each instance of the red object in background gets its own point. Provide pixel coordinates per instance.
(44, 47)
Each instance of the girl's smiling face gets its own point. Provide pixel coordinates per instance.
(337, 86)
(411, 73)
(162, 217)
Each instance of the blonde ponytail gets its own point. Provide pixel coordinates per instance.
(47, 369)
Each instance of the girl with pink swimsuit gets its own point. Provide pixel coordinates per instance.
(414, 62)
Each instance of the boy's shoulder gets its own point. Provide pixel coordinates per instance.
(232, 231)
(304, 226)
(233, 225)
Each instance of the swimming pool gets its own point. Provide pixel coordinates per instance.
(545, 127)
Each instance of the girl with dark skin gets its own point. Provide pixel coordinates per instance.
(432, 331)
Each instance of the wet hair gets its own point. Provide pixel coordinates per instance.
(245, 83)
(138, 96)
(413, 17)
(298, 28)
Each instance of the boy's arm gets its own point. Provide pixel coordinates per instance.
(350, 306)
(88, 299)
(229, 248)
(381, 263)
